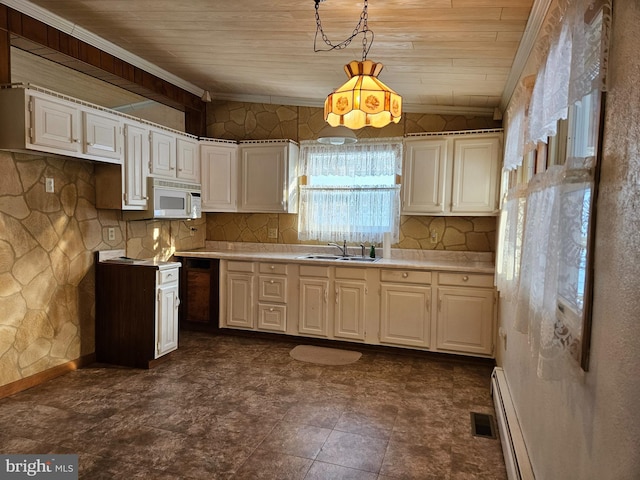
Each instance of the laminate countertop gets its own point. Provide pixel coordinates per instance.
(432, 260)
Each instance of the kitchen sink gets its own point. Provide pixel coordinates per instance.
(360, 259)
(314, 256)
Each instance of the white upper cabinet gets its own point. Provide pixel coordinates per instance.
(136, 167)
(162, 161)
(34, 120)
(102, 135)
(219, 164)
(425, 167)
(188, 159)
(268, 176)
(257, 176)
(452, 174)
(475, 174)
(54, 124)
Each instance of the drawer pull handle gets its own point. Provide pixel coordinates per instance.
(465, 278)
(271, 309)
(405, 275)
(272, 267)
(271, 281)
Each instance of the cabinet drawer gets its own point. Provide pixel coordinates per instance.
(273, 289)
(314, 271)
(405, 276)
(272, 317)
(466, 279)
(168, 276)
(273, 268)
(233, 266)
(351, 273)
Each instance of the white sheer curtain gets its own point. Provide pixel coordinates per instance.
(542, 257)
(510, 231)
(353, 205)
(576, 46)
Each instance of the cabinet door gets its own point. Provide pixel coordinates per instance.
(136, 153)
(349, 312)
(425, 167)
(465, 320)
(188, 160)
(314, 305)
(475, 175)
(167, 319)
(240, 299)
(102, 136)
(405, 315)
(262, 173)
(163, 154)
(55, 125)
(219, 178)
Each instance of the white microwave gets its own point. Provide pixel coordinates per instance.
(170, 200)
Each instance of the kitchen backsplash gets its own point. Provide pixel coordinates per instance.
(474, 234)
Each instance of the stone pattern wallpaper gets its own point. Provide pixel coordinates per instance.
(47, 245)
(474, 234)
(250, 121)
(257, 121)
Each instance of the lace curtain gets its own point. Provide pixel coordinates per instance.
(543, 231)
(575, 50)
(510, 231)
(551, 282)
(351, 208)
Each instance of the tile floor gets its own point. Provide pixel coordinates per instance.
(227, 407)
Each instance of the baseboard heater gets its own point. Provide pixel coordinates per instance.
(516, 458)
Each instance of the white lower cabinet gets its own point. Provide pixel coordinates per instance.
(405, 307)
(272, 297)
(466, 314)
(167, 316)
(244, 309)
(445, 312)
(314, 306)
(240, 300)
(332, 302)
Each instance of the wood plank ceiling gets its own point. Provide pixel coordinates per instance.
(438, 54)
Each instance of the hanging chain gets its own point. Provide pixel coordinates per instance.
(361, 28)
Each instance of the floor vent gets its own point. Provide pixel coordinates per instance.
(483, 425)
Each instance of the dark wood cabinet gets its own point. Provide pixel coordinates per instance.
(136, 313)
(199, 291)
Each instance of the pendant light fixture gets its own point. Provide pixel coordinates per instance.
(363, 100)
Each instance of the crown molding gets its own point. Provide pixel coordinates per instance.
(534, 24)
(86, 36)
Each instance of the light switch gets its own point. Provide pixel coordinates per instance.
(49, 185)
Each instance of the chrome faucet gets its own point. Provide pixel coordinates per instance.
(362, 250)
(343, 248)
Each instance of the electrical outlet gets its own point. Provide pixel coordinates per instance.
(273, 233)
(434, 236)
(49, 185)
(111, 233)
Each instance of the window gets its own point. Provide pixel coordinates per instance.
(351, 192)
